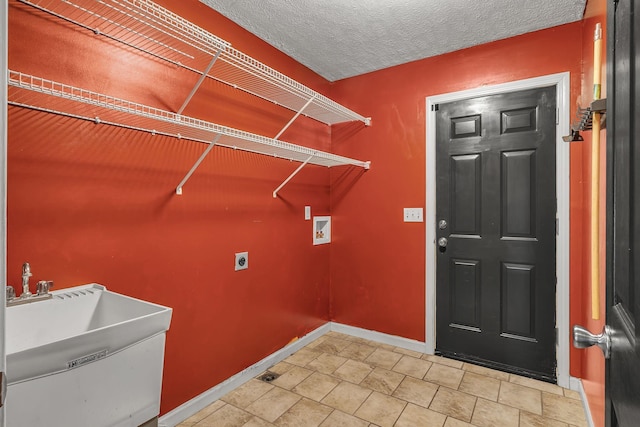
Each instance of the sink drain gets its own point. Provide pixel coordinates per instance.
(267, 377)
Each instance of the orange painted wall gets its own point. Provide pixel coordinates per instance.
(377, 260)
(93, 203)
(592, 362)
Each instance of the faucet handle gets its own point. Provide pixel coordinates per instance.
(26, 270)
(43, 287)
(11, 293)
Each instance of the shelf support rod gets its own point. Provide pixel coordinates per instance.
(196, 164)
(200, 80)
(295, 172)
(294, 118)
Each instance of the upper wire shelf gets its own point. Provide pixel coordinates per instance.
(150, 28)
(33, 92)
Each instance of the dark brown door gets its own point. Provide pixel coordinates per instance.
(623, 213)
(495, 212)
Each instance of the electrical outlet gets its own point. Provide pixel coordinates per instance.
(242, 261)
(413, 215)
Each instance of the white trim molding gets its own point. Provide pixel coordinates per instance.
(561, 81)
(576, 385)
(379, 337)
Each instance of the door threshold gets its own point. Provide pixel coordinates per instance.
(498, 366)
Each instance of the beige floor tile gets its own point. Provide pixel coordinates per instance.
(273, 404)
(372, 343)
(412, 366)
(327, 363)
(414, 416)
(281, 368)
(416, 391)
(454, 404)
(258, 422)
(316, 386)
(357, 351)
(572, 394)
(313, 344)
(382, 387)
(353, 371)
(521, 397)
(492, 414)
(292, 377)
(340, 419)
(563, 409)
(204, 413)
(386, 346)
(532, 420)
(247, 393)
(302, 357)
(452, 422)
(443, 361)
(382, 380)
(411, 353)
(381, 409)
(502, 376)
(346, 397)
(227, 416)
(383, 358)
(480, 385)
(305, 413)
(332, 345)
(444, 375)
(540, 385)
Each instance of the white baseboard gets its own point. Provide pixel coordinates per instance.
(380, 337)
(575, 384)
(187, 409)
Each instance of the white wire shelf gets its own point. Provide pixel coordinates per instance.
(150, 28)
(53, 97)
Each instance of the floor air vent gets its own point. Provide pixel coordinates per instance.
(267, 377)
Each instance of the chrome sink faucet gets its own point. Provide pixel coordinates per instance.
(42, 292)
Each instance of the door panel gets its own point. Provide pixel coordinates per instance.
(465, 195)
(495, 278)
(518, 189)
(622, 387)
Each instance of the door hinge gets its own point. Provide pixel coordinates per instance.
(3, 388)
(435, 107)
(557, 116)
(557, 337)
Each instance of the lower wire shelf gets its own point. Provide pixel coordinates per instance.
(40, 94)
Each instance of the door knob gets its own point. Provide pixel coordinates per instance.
(442, 242)
(583, 339)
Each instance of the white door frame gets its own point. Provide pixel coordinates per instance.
(561, 81)
(4, 11)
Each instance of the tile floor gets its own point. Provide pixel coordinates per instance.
(343, 381)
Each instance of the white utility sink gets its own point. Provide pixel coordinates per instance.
(87, 356)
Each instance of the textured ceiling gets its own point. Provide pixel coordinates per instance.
(344, 38)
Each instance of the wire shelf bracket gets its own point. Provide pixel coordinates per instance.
(199, 82)
(196, 164)
(295, 172)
